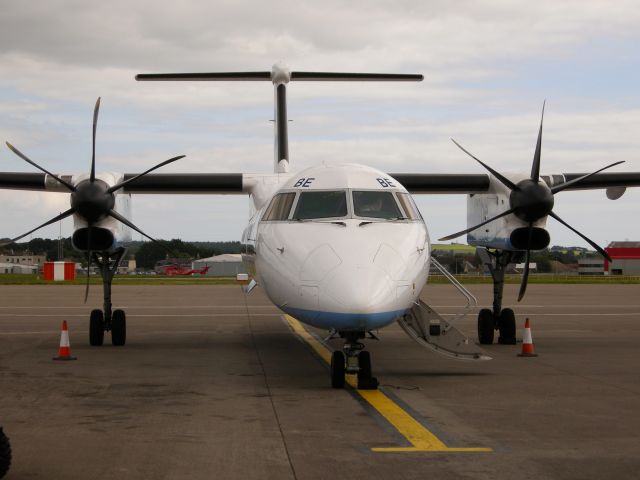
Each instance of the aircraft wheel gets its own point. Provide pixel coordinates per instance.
(337, 369)
(96, 328)
(366, 380)
(5, 454)
(118, 328)
(485, 326)
(507, 326)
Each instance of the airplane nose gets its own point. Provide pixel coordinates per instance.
(361, 290)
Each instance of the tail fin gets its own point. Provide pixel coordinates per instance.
(280, 75)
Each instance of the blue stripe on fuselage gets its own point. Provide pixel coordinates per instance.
(343, 321)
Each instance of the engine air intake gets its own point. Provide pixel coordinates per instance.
(539, 238)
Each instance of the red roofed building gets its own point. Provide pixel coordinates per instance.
(626, 258)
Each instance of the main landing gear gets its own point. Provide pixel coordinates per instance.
(353, 359)
(105, 320)
(500, 319)
(5, 454)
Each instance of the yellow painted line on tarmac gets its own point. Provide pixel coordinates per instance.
(421, 439)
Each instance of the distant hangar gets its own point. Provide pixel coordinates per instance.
(626, 258)
(226, 265)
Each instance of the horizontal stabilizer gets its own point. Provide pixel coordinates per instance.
(205, 76)
(276, 74)
(355, 77)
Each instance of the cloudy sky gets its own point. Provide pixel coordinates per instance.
(488, 67)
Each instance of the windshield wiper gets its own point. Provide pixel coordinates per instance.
(318, 220)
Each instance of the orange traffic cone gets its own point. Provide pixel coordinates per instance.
(527, 342)
(64, 352)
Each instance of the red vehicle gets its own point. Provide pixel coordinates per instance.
(180, 270)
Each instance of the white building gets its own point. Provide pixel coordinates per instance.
(18, 268)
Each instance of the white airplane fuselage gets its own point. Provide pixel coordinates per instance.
(328, 257)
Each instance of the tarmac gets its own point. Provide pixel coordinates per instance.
(209, 386)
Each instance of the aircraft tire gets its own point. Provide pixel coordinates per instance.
(5, 454)
(366, 380)
(364, 362)
(486, 326)
(118, 328)
(96, 328)
(337, 369)
(507, 327)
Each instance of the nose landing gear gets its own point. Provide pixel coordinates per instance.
(354, 360)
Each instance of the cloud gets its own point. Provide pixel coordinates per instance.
(487, 65)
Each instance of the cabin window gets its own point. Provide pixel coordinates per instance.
(410, 209)
(279, 207)
(375, 204)
(321, 205)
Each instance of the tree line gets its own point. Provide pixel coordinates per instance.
(146, 254)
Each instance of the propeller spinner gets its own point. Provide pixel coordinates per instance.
(92, 199)
(531, 200)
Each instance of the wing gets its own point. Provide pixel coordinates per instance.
(432, 183)
(186, 183)
(236, 183)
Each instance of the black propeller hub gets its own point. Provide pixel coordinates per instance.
(92, 200)
(531, 201)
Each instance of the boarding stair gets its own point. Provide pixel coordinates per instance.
(430, 330)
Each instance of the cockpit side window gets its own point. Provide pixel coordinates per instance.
(321, 204)
(409, 207)
(279, 207)
(375, 204)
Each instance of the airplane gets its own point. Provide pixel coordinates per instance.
(340, 247)
(180, 270)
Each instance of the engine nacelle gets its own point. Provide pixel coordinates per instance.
(107, 233)
(508, 232)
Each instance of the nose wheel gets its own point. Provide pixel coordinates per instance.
(337, 369)
(354, 360)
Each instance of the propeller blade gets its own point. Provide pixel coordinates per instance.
(89, 253)
(71, 211)
(562, 186)
(93, 154)
(455, 235)
(120, 218)
(26, 159)
(122, 184)
(505, 181)
(535, 168)
(527, 260)
(589, 241)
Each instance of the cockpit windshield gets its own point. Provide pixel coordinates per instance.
(375, 204)
(321, 205)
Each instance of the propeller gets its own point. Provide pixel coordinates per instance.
(531, 200)
(92, 199)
